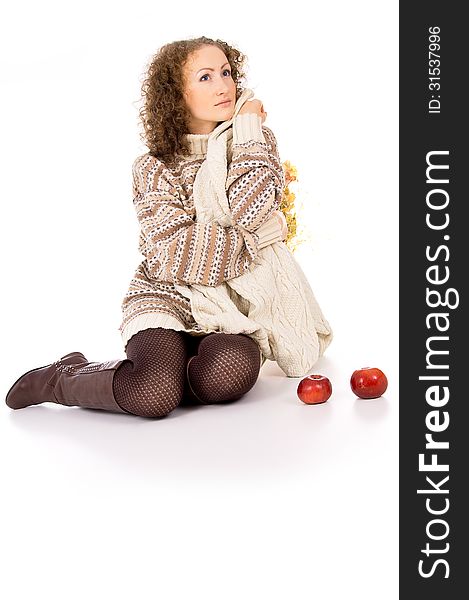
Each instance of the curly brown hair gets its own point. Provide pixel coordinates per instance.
(164, 114)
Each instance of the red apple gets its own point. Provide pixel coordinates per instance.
(368, 382)
(314, 389)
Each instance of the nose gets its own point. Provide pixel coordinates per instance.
(223, 86)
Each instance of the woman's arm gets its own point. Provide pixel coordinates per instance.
(177, 248)
(255, 178)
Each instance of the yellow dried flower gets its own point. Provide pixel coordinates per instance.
(287, 206)
(290, 171)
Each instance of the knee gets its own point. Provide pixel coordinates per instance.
(226, 367)
(155, 406)
(147, 394)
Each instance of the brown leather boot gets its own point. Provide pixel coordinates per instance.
(71, 381)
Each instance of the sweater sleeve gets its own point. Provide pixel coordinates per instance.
(269, 232)
(177, 249)
(255, 178)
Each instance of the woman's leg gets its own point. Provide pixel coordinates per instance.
(152, 384)
(149, 383)
(223, 367)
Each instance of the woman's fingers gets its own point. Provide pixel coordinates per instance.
(283, 223)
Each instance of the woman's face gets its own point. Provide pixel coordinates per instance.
(208, 81)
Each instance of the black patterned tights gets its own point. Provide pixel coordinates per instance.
(222, 367)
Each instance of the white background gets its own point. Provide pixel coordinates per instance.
(263, 498)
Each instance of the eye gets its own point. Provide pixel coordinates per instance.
(207, 74)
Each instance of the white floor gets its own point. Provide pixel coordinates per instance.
(263, 498)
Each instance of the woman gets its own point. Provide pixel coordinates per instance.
(191, 87)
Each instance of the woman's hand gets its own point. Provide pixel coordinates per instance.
(275, 229)
(283, 222)
(253, 106)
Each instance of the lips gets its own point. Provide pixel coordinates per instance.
(225, 103)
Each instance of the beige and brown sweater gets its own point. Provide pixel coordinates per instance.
(179, 250)
(238, 276)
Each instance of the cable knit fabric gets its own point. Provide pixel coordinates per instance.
(213, 256)
(272, 302)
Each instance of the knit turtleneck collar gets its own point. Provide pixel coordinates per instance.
(197, 143)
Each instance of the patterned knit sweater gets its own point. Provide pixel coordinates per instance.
(272, 302)
(177, 249)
